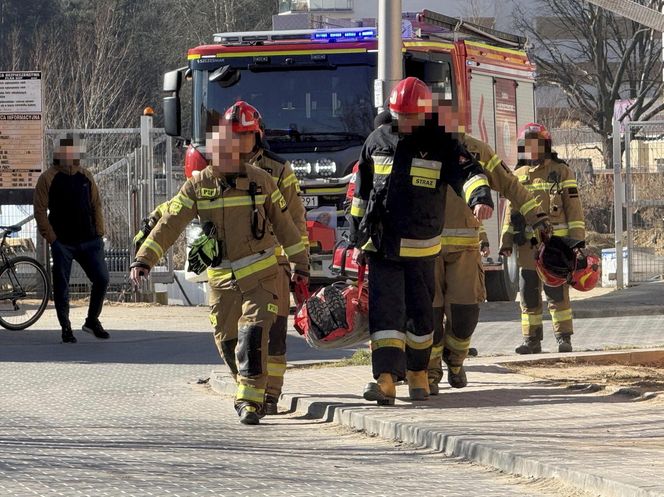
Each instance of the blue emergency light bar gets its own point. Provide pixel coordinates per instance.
(355, 34)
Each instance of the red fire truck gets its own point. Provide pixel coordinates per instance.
(315, 90)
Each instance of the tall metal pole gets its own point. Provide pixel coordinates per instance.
(390, 60)
(618, 202)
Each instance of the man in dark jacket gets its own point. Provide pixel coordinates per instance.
(69, 216)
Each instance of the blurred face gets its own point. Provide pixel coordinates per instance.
(69, 151)
(534, 149)
(406, 123)
(448, 117)
(222, 147)
(247, 143)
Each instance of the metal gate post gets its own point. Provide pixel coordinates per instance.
(627, 201)
(145, 193)
(617, 202)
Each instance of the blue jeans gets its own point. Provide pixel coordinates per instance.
(90, 255)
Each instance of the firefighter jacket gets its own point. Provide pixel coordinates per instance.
(554, 186)
(462, 230)
(289, 186)
(240, 209)
(68, 205)
(398, 203)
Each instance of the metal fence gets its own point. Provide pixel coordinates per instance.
(133, 168)
(644, 200)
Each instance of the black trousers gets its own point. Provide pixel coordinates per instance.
(400, 314)
(90, 255)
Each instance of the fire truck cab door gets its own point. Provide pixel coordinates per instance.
(434, 69)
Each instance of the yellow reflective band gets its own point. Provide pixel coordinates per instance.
(424, 172)
(424, 182)
(305, 240)
(473, 184)
(276, 369)
(357, 211)
(436, 352)
(273, 308)
(531, 319)
(419, 251)
(294, 249)
(388, 342)
(493, 162)
(561, 232)
(230, 202)
(569, 183)
(154, 246)
(162, 209)
(382, 169)
(325, 191)
(186, 201)
(213, 320)
(528, 206)
(278, 198)
(412, 343)
(539, 187)
(460, 241)
(576, 225)
(256, 267)
(456, 344)
(219, 274)
(251, 394)
(523, 178)
(560, 316)
(291, 179)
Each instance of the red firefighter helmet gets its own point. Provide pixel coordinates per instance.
(556, 260)
(534, 130)
(410, 96)
(244, 117)
(586, 278)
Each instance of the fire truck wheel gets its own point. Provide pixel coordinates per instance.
(503, 285)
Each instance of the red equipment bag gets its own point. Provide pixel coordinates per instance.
(336, 316)
(342, 260)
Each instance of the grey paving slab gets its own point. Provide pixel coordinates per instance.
(124, 418)
(601, 443)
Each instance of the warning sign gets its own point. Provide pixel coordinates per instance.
(21, 129)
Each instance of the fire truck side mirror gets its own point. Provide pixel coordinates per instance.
(172, 106)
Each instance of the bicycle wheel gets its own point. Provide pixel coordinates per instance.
(24, 291)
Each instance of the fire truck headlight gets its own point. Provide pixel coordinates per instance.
(325, 167)
(301, 168)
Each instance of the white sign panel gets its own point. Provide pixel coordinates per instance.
(21, 129)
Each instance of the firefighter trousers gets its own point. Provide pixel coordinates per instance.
(459, 291)
(241, 322)
(276, 359)
(530, 288)
(400, 315)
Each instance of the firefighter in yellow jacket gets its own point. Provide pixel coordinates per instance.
(554, 186)
(459, 273)
(238, 205)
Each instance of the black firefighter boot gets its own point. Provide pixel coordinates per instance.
(564, 342)
(249, 413)
(456, 375)
(531, 344)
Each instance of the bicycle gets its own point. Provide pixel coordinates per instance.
(24, 286)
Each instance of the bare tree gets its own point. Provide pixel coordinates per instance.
(596, 58)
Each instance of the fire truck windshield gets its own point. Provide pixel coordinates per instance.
(297, 105)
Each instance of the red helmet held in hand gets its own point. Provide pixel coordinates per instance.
(410, 96)
(586, 278)
(244, 117)
(556, 261)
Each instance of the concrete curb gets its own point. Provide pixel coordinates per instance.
(515, 461)
(614, 312)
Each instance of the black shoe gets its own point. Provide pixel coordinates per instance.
(68, 335)
(248, 413)
(458, 379)
(564, 343)
(95, 328)
(271, 405)
(531, 345)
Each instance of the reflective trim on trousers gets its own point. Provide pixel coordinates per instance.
(276, 368)
(419, 342)
(251, 394)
